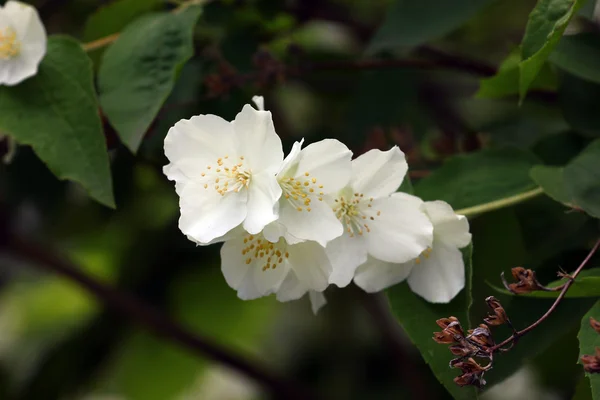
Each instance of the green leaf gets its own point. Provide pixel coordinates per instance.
(56, 113)
(587, 284)
(114, 17)
(579, 55)
(411, 23)
(582, 178)
(551, 179)
(546, 25)
(583, 389)
(589, 339)
(139, 70)
(506, 81)
(481, 177)
(418, 317)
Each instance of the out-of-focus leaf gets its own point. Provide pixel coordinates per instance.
(477, 178)
(139, 70)
(418, 317)
(579, 55)
(115, 16)
(410, 23)
(153, 369)
(589, 340)
(579, 101)
(583, 391)
(587, 284)
(56, 113)
(546, 25)
(582, 178)
(506, 81)
(551, 179)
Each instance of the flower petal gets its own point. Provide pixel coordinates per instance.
(451, 228)
(317, 300)
(263, 195)
(327, 161)
(378, 173)
(376, 275)
(269, 280)
(399, 231)
(345, 254)
(257, 141)
(439, 277)
(206, 215)
(291, 288)
(30, 31)
(291, 159)
(195, 143)
(237, 273)
(310, 264)
(320, 224)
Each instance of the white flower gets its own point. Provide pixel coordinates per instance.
(22, 42)
(306, 177)
(438, 274)
(224, 172)
(256, 267)
(293, 289)
(389, 228)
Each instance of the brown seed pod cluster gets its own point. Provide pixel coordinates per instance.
(591, 363)
(477, 344)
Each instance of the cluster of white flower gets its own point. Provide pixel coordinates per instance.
(22, 42)
(294, 225)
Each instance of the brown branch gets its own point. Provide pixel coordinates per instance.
(562, 294)
(160, 324)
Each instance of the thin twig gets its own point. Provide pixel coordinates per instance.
(501, 203)
(562, 294)
(160, 324)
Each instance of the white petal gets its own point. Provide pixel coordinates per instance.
(291, 159)
(378, 173)
(269, 280)
(16, 70)
(345, 254)
(310, 264)
(291, 288)
(237, 273)
(376, 275)
(260, 102)
(30, 30)
(317, 300)
(263, 193)
(328, 161)
(257, 141)
(192, 145)
(399, 231)
(439, 277)
(451, 228)
(206, 215)
(320, 224)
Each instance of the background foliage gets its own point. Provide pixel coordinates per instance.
(495, 103)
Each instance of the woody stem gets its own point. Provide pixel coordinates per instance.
(561, 296)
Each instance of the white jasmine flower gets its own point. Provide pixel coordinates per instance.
(293, 289)
(224, 172)
(256, 267)
(22, 42)
(306, 177)
(438, 274)
(389, 228)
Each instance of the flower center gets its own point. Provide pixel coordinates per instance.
(227, 176)
(424, 254)
(10, 46)
(354, 211)
(301, 191)
(258, 249)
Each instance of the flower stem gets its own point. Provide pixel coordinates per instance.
(501, 203)
(562, 294)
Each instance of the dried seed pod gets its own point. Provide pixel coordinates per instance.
(591, 363)
(499, 317)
